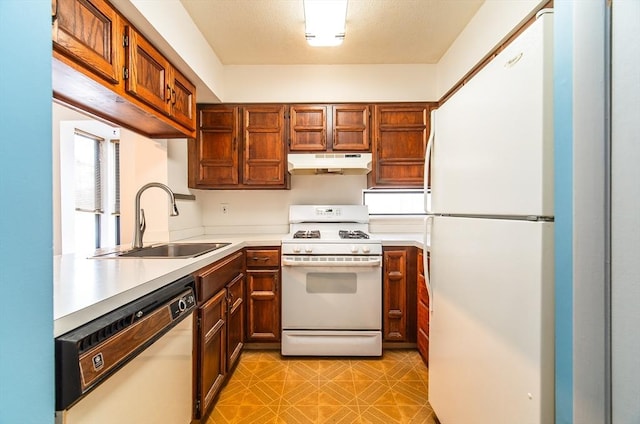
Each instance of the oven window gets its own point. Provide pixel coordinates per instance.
(332, 282)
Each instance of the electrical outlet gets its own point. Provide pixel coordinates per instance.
(224, 207)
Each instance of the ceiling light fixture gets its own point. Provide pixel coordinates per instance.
(325, 22)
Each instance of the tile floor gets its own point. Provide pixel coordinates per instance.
(268, 388)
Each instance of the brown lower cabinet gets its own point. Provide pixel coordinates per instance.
(263, 294)
(219, 334)
(399, 294)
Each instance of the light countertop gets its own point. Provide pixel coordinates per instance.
(86, 288)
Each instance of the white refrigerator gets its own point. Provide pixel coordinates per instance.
(490, 221)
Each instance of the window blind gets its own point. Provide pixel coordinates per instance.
(88, 172)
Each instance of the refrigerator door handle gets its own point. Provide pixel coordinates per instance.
(425, 258)
(427, 158)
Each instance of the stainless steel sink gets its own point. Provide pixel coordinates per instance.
(165, 251)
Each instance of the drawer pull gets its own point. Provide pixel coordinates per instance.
(262, 258)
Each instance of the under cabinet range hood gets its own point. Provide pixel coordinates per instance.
(329, 163)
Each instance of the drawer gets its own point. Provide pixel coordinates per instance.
(214, 277)
(263, 258)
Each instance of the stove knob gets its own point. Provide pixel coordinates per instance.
(366, 249)
(296, 249)
(308, 249)
(354, 249)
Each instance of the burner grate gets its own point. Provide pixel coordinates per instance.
(307, 234)
(349, 234)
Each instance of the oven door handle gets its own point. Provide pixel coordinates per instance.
(331, 263)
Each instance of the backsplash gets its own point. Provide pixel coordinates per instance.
(267, 211)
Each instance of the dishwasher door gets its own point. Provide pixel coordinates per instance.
(155, 387)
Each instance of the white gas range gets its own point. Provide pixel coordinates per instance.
(331, 283)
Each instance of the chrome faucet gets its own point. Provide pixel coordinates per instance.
(140, 224)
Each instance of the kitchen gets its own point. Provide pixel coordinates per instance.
(18, 238)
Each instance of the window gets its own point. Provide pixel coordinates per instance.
(89, 184)
(88, 190)
(394, 202)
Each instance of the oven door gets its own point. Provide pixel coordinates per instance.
(331, 293)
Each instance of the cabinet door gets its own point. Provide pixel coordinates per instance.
(148, 70)
(235, 320)
(264, 148)
(307, 128)
(423, 311)
(400, 142)
(212, 351)
(87, 31)
(263, 306)
(351, 127)
(213, 156)
(394, 295)
(183, 100)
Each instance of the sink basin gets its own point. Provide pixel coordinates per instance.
(166, 251)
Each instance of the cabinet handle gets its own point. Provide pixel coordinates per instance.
(275, 283)
(54, 11)
(168, 94)
(262, 258)
(173, 96)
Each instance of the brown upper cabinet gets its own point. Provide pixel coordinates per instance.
(399, 143)
(103, 66)
(343, 127)
(213, 155)
(88, 30)
(150, 76)
(239, 147)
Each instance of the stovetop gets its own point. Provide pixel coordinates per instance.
(341, 229)
(342, 234)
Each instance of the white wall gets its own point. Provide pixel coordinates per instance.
(266, 211)
(189, 222)
(330, 83)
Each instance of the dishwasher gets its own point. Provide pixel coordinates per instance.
(132, 365)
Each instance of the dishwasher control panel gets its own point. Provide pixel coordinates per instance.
(183, 305)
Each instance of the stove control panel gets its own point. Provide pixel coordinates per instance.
(369, 248)
(329, 211)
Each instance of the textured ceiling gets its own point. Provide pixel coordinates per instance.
(271, 32)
